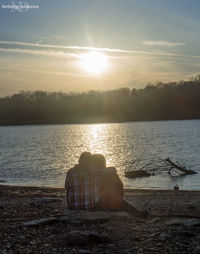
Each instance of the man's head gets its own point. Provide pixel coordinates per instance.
(99, 161)
(86, 160)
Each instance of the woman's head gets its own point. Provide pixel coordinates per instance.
(86, 160)
(99, 161)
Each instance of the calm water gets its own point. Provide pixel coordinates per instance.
(41, 155)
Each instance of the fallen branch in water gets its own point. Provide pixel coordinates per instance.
(136, 173)
(153, 165)
(179, 167)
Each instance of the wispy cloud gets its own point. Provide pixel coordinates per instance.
(12, 69)
(163, 43)
(68, 51)
(57, 36)
(41, 38)
(39, 52)
(62, 47)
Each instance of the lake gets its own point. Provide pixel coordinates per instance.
(40, 155)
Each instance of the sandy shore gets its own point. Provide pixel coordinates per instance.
(174, 226)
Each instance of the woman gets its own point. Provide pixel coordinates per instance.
(111, 189)
(110, 186)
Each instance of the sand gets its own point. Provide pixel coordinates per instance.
(173, 227)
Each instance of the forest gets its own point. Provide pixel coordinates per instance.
(160, 101)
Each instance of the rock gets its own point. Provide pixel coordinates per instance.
(136, 173)
(163, 237)
(82, 220)
(187, 234)
(184, 222)
(22, 237)
(72, 221)
(39, 222)
(85, 217)
(84, 237)
(191, 222)
(192, 206)
(175, 221)
(79, 218)
(198, 250)
(81, 251)
(54, 250)
(96, 216)
(2, 181)
(103, 246)
(119, 215)
(46, 200)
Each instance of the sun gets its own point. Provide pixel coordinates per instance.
(94, 62)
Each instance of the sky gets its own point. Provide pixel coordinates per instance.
(133, 42)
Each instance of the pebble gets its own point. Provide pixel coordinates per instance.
(81, 251)
(82, 237)
(84, 217)
(22, 237)
(54, 250)
(163, 237)
(46, 200)
(184, 222)
(187, 234)
(39, 222)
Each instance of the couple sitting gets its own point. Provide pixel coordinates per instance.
(91, 185)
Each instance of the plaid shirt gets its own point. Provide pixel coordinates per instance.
(82, 188)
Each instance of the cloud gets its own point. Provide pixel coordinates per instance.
(81, 48)
(163, 43)
(39, 52)
(62, 47)
(11, 69)
(66, 51)
(57, 36)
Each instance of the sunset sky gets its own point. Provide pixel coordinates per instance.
(98, 44)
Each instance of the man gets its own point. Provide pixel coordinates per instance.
(81, 184)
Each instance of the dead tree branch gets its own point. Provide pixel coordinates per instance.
(179, 167)
(145, 167)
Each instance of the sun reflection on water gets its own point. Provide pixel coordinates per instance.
(98, 141)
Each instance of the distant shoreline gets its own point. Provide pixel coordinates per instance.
(178, 100)
(88, 123)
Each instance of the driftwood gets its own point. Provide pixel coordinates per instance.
(179, 167)
(136, 173)
(142, 167)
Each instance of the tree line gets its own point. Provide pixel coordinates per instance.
(161, 101)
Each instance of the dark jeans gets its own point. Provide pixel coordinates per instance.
(125, 206)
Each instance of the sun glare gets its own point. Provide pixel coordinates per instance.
(94, 62)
